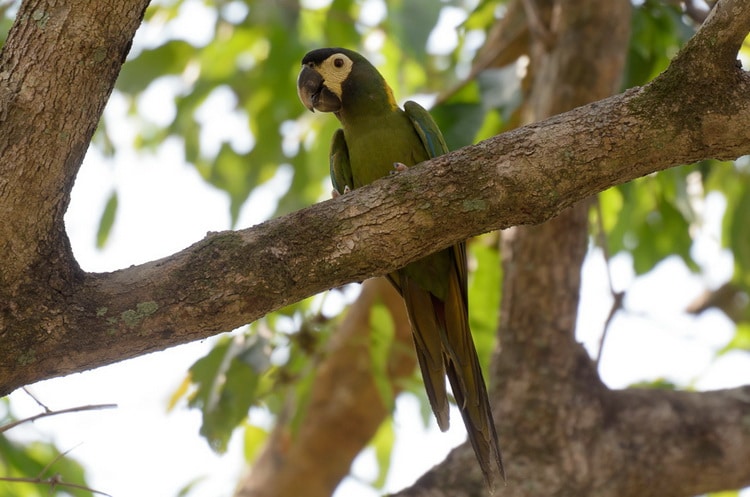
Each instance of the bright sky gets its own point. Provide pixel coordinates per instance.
(164, 206)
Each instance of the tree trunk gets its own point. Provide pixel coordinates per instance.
(57, 70)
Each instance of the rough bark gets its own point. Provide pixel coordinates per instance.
(56, 320)
(57, 70)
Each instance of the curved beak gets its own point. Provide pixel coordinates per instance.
(313, 92)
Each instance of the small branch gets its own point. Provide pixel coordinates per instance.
(35, 399)
(54, 480)
(536, 25)
(48, 413)
(617, 297)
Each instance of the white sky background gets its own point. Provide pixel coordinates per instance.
(164, 206)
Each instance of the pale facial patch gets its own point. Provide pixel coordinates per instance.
(335, 69)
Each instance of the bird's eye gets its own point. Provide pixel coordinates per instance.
(338, 62)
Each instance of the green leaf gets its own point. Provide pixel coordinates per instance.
(411, 22)
(188, 488)
(382, 443)
(39, 460)
(484, 296)
(740, 341)
(650, 218)
(106, 221)
(170, 58)
(739, 234)
(665, 232)
(658, 32)
(657, 384)
(483, 16)
(459, 122)
(340, 24)
(725, 493)
(381, 341)
(227, 383)
(255, 437)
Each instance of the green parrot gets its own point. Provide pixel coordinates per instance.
(375, 137)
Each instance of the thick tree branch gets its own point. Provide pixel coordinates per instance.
(57, 69)
(521, 177)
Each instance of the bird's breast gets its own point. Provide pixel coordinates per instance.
(376, 145)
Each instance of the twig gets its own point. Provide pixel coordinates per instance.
(52, 481)
(39, 402)
(618, 297)
(47, 413)
(536, 24)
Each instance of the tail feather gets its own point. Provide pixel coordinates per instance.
(428, 347)
(467, 382)
(444, 346)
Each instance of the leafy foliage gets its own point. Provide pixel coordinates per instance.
(40, 464)
(227, 381)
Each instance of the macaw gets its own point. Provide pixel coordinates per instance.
(375, 137)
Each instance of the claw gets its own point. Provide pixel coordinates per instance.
(335, 193)
(398, 167)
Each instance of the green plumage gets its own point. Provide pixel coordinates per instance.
(375, 135)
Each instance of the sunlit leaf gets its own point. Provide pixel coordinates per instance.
(381, 339)
(340, 24)
(658, 31)
(39, 460)
(106, 221)
(227, 380)
(726, 493)
(739, 231)
(255, 438)
(179, 393)
(383, 442)
(484, 297)
(740, 340)
(170, 58)
(657, 384)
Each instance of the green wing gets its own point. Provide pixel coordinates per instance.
(428, 131)
(341, 168)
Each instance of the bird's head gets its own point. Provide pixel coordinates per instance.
(334, 78)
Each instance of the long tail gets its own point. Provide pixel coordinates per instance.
(444, 345)
(469, 389)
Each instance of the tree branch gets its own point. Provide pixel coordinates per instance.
(522, 177)
(47, 413)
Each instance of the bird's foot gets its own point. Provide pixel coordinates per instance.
(335, 193)
(399, 167)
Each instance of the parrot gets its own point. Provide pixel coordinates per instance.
(375, 137)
